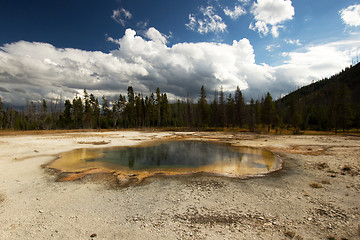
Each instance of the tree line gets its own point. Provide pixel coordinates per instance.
(135, 110)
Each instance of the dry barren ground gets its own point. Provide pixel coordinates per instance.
(315, 196)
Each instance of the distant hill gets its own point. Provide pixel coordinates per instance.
(331, 103)
(321, 91)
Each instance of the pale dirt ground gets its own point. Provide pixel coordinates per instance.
(281, 205)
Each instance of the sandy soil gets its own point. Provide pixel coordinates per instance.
(315, 196)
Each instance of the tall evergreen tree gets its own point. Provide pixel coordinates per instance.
(44, 107)
(257, 112)
(268, 111)
(179, 114)
(118, 111)
(87, 111)
(230, 111)
(215, 110)
(151, 114)
(67, 114)
(158, 102)
(222, 108)
(164, 110)
(203, 108)
(139, 110)
(78, 111)
(240, 108)
(106, 119)
(95, 107)
(1, 113)
(130, 107)
(252, 115)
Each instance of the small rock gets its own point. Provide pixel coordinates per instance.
(36, 151)
(309, 219)
(93, 235)
(315, 185)
(40, 211)
(325, 182)
(290, 234)
(346, 168)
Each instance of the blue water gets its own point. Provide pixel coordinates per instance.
(173, 154)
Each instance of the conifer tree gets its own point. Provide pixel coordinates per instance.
(150, 110)
(215, 110)
(67, 113)
(87, 111)
(130, 108)
(268, 111)
(252, 115)
(78, 111)
(164, 110)
(240, 107)
(158, 107)
(203, 108)
(106, 113)
(257, 112)
(139, 110)
(1, 113)
(95, 107)
(222, 108)
(230, 111)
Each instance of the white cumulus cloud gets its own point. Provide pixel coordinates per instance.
(260, 26)
(235, 13)
(271, 13)
(121, 15)
(33, 70)
(315, 62)
(208, 21)
(351, 15)
(156, 36)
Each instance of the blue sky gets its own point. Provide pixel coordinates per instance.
(55, 48)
